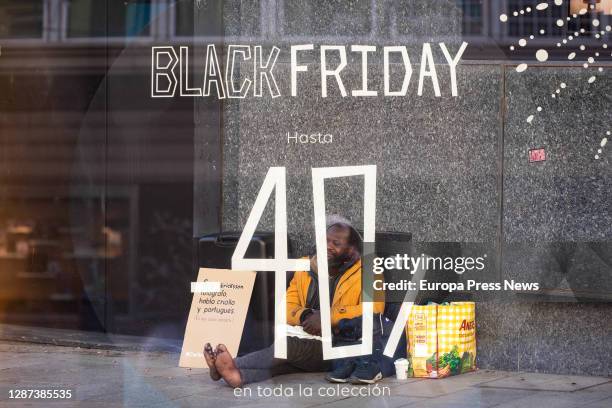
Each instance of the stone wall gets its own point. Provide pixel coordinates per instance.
(450, 169)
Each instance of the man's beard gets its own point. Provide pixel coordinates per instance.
(338, 261)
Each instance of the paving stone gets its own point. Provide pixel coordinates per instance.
(15, 362)
(96, 389)
(545, 382)
(477, 377)
(387, 402)
(473, 397)
(395, 383)
(307, 393)
(62, 404)
(39, 373)
(74, 338)
(603, 390)
(151, 379)
(553, 399)
(430, 388)
(605, 403)
(201, 401)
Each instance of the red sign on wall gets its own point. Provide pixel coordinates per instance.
(536, 155)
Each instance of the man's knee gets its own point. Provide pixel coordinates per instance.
(306, 354)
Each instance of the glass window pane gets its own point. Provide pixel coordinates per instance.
(184, 19)
(21, 18)
(209, 15)
(125, 18)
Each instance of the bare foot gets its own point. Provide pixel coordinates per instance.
(227, 368)
(210, 357)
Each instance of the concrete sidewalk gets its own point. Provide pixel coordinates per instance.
(124, 378)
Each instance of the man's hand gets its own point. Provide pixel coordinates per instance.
(312, 324)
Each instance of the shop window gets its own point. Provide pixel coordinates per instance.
(112, 18)
(208, 17)
(581, 14)
(472, 17)
(184, 19)
(532, 22)
(600, 10)
(599, 6)
(21, 18)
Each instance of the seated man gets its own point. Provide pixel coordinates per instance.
(304, 354)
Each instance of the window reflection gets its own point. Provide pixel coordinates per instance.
(97, 179)
(599, 6)
(21, 18)
(86, 18)
(473, 23)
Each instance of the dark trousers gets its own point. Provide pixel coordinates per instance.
(302, 355)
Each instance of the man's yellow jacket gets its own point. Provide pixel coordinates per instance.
(346, 303)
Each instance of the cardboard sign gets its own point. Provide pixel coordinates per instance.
(217, 317)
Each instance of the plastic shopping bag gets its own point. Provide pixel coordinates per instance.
(442, 339)
(422, 340)
(456, 327)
